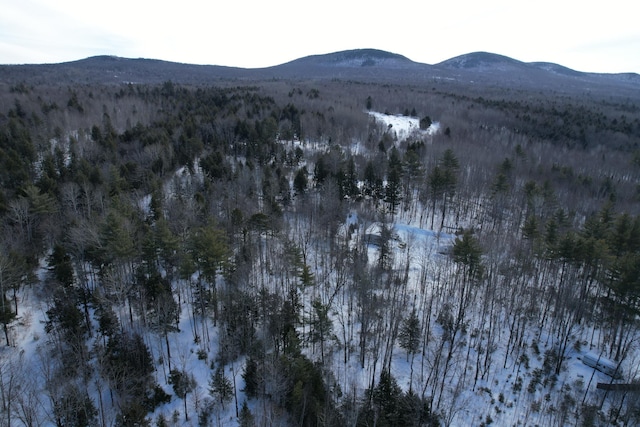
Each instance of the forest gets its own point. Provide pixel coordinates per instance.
(270, 253)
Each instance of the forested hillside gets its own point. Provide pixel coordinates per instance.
(275, 254)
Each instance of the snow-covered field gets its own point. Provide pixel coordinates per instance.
(404, 126)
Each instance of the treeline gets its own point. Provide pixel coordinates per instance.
(573, 122)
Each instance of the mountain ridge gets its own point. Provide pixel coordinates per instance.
(356, 64)
(369, 57)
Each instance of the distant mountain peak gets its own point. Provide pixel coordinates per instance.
(356, 58)
(477, 60)
(368, 56)
(100, 59)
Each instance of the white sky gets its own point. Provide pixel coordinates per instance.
(583, 35)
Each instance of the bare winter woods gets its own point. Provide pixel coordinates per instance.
(273, 255)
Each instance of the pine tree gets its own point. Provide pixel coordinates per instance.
(467, 251)
(386, 398)
(321, 324)
(306, 276)
(369, 103)
(209, 250)
(385, 249)
(372, 181)
(8, 280)
(74, 408)
(128, 365)
(60, 266)
(351, 180)
(117, 243)
(245, 418)
(300, 181)
(393, 189)
(425, 122)
(450, 179)
(437, 184)
(530, 228)
(320, 171)
(409, 339)
(250, 377)
(409, 335)
(183, 383)
(220, 387)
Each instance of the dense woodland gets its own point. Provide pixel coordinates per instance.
(267, 223)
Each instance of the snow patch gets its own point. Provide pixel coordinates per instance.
(405, 126)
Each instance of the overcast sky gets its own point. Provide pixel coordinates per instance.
(583, 35)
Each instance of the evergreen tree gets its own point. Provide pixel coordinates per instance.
(306, 397)
(437, 185)
(108, 323)
(372, 181)
(166, 246)
(321, 324)
(183, 383)
(451, 166)
(530, 228)
(500, 184)
(348, 180)
(60, 266)
(386, 399)
(66, 319)
(127, 364)
(320, 171)
(467, 251)
(425, 122)
(551, 238)
(409, 335)
(385, 250)
(74, 408)
(245, 418)
(9, 279)
(7, 316)
(393, 189)
(450, 177)
(209, 252)
(300, 181)
(306, 276)
(250, 375)
(117, 244)
(220, 387)
(414, 411)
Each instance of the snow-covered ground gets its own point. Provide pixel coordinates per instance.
(497, 399)
(404, 126)
(511, 395)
